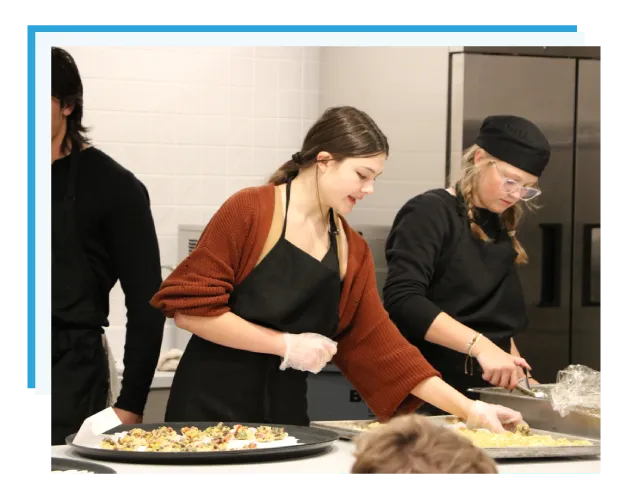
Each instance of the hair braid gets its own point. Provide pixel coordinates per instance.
(510, 218)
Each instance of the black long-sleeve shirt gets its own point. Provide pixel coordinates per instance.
(430, 244)
(117, 232)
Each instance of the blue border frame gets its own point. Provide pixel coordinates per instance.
(30, 75)
(31, 210)
(32, 29)
(447, 28)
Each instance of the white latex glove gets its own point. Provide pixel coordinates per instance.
(307, 352)
(493, 417)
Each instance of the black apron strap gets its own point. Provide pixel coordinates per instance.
(332, 229)
(288, 202)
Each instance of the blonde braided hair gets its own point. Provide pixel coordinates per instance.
(510, 218)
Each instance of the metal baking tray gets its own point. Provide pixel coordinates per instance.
(349, 430)
(539, 413)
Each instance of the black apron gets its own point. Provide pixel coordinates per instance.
(288, 291)
(79, 367)
(480, 288)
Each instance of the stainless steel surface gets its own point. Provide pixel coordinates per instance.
(541, 391)
(525, 391)
(561, 331)
(545, 451)
(346, 430)
(376, 235)
(350, 429)
(594, 277)
(579, 51)
(538, 412)
(586, 345)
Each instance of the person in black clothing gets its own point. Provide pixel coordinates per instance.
(452, 287)
(102, 231)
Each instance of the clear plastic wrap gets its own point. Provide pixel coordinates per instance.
(578, 388)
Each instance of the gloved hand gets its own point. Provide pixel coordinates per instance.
(493, 417)
(307, 352)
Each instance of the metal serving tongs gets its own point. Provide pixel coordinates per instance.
(526, 390)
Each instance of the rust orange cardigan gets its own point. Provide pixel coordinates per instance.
(371, 352)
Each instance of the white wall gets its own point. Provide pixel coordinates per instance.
(196, 124)
(405, 90)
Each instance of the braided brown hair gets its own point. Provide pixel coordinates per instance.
(510, 218)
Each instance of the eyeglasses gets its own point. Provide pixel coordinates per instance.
(510, 186)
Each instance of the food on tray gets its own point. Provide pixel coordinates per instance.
(453, 420)
(192, 439)
(260, 434)
(523, 429)
(376, 424)
(362, 426)
(268, 434)
(243, 432)
(522, 437)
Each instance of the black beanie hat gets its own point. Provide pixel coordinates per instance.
(516, 141)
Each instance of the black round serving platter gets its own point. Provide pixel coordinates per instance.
(62, 464)
(310, 441)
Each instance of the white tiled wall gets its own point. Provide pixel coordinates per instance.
(405, 90)
(196, 124)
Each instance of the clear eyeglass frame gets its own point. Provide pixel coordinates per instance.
(510, 186)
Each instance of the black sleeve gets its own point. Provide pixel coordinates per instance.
(134, 252)
(413, 250)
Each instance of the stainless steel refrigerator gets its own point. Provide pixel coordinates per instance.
(558, 89)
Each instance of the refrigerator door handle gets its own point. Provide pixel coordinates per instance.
(591, 276)
(550, 294)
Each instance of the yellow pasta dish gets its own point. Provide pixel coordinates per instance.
(522, 437)
(192, 439)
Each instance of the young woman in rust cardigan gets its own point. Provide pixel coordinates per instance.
(279, 284)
